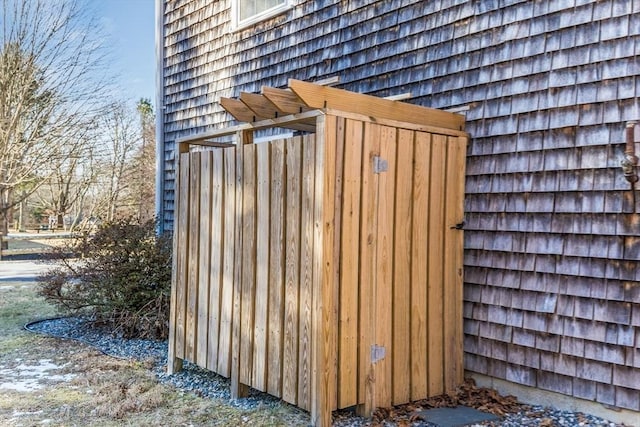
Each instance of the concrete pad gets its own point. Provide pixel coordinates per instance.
(459, 416)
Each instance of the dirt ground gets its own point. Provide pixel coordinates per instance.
(55, 382)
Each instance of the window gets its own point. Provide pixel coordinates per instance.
(247, 12)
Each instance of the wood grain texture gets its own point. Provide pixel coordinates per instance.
(452, 276)
(317, 96)
(419, 254)
(306, 270)
(402, 373)
(383, 296)
(229, 245)
(292, 270)
(340, 129)
(276, 268)
(191, 329)
(284, 100)
(323, 386)
(261, 322)
(435, 258)
(349, 263)
(323, 260)
(205, 265)
(238, 388)
(216, 185)
(247, 315)
(178, 278)
(239, 110)
(368, 245)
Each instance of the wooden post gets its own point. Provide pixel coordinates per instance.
(174, 364)
(323, 334)
(238, 389)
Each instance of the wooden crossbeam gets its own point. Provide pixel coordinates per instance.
(264, 108)
(239, 110)
(260, 105)
(315, 96)
(284, 100)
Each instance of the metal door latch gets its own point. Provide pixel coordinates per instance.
(458, 226)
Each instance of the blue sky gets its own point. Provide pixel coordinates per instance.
(129, 28)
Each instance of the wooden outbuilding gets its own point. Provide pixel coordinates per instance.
(323, 267)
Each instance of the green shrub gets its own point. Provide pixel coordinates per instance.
(121, 275)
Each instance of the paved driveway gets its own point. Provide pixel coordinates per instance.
(21, 270)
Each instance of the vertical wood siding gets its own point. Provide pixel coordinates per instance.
(552, 258)
(382, 268)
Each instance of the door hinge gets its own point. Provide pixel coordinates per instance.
(377, 353)
(380, 165)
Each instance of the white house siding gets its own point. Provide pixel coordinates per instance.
(552, 241)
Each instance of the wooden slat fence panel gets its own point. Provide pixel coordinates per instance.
(262, 271)
(274, 306)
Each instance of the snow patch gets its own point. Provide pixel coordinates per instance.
(31, 377)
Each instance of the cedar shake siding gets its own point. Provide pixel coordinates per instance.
(552, 239)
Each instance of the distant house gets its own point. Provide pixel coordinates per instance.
(552, 232)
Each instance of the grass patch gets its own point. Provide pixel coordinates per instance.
(19, 304)
(104, 391)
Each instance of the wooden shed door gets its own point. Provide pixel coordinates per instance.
(409, 270)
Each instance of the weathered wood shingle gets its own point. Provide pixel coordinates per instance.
(552, 254)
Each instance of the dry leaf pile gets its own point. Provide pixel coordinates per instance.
(468, 394)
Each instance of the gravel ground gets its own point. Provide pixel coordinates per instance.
(207, 384)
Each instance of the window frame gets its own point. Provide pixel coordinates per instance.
(237, 24)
